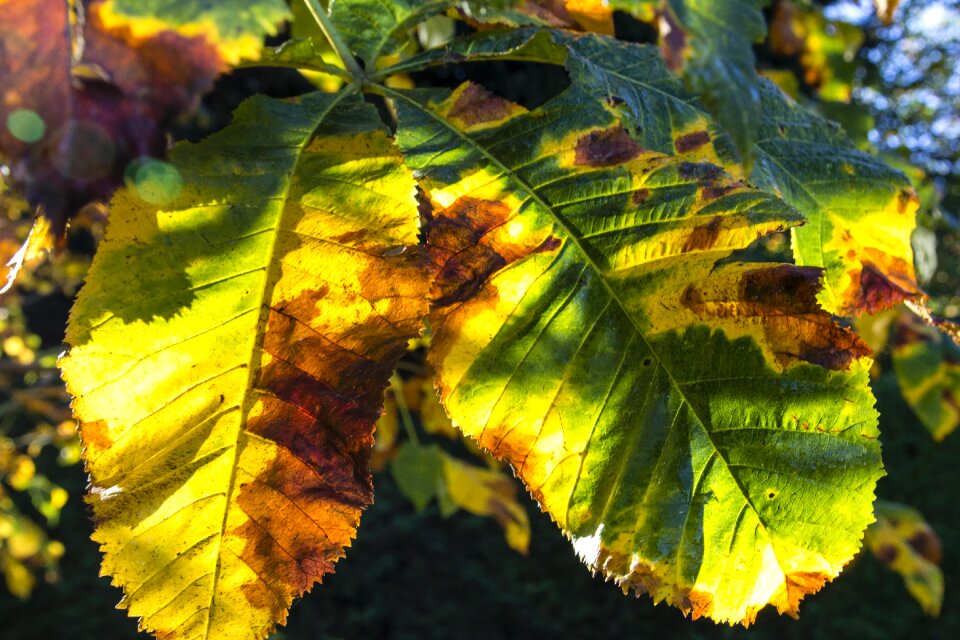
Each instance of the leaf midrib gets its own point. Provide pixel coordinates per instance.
(256, 348)
(600, 275)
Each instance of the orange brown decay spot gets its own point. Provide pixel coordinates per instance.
(906, 198)
(640, 196)
(94, 435)
(783, 299)
(606, 148)
(927, 544)
(698, 604)
(690, 141)
(476, 105)
(886, 554)
(878, 291)
(704, 236)
(798, 585)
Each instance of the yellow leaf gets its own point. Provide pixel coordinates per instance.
(227, 414)
(905, 543)
(485, 492)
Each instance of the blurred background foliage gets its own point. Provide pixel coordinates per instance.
(453, 546)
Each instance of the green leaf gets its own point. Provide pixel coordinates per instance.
(372, 28)
(659, 113)
(664, 405)
(716, 48)
(228, 357)
(927, 363)
(418, 472)
(861, 212)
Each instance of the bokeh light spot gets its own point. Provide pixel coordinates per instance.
(155, 181)
(26, 125)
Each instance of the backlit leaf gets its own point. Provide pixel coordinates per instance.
(372, 28)
(903, 541)
(927, 363)
(659, 113)
(715, 51)
(861, 212)
(669, 411)
(227, 416)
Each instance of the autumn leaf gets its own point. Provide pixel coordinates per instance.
(228, 417)
(426, 472)
(903, 541)
(712, 43)
(650, 394)
(861, 212)
(927, 364)
(659, 113)
(236, 28)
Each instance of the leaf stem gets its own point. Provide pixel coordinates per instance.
(339, 46)
(396, 385)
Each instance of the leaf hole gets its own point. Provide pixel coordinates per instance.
(647, 362)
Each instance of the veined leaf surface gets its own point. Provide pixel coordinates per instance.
(659, 113)
(861, 212)
(227, 414)
(666, 409)
(715, 50)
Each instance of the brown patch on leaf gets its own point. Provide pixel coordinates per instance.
(690, 141)
(926, 543)
(320, 392)
(798, 585)
(94, 436)
(712, 192)
(673, 41)
(704, 236)
(782, 301)
(550, 244)
(463, 262)
(886, 554)
(606, 148)
(878, 291)
(699, 171)
(792, 289)
(906, 198)
(475, 105)
(640, 196)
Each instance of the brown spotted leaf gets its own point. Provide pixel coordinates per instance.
(228, 357)
(903, 541)
(861, 212)
(701, 430)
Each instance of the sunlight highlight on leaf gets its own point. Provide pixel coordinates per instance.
(649, 393)
(227, 417)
